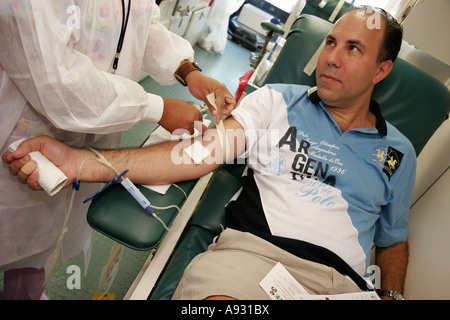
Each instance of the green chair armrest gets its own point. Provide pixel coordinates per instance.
(272, 27)
(117, 215)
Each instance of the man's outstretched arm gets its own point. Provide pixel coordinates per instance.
(158, 164)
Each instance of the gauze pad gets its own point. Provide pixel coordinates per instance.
(51, 179)
(197, 152)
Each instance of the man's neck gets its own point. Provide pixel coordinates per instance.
(348, 118)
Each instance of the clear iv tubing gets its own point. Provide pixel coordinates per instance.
(105, 162)
(52, 259)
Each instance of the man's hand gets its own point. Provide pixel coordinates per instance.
(67, 159)
(201, 85)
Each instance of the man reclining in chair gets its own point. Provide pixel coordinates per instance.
(327, 176)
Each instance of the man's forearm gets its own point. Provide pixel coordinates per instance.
(393, 262)
(158, 164)
(168, 162)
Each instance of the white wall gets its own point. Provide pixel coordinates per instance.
(428, 273)
(427, 28)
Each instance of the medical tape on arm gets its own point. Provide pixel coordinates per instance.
(220, 130)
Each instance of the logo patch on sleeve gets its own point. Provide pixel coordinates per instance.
(393, 159)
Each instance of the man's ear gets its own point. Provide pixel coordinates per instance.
(383, 70)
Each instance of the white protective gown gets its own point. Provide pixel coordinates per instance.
(55, 58)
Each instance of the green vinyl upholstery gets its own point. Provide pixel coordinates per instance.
(118, 216)
(411, 99)
(206, 223)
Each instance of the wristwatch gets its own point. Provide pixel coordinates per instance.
(183, 71)
(391, 293)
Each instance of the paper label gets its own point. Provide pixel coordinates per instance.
(363, 295)
(279, 284)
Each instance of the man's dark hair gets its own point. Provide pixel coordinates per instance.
(393, 34)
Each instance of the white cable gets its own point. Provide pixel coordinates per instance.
(140, 198)
(51, 261)
(172, 229)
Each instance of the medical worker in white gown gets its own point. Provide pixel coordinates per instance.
(56, 79)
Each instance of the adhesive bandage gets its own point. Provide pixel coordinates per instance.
(51, 179)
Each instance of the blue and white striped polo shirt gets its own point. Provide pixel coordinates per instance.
(315, 191)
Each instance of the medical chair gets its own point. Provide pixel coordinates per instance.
(412, 100)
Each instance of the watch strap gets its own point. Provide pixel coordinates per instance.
(184, 69)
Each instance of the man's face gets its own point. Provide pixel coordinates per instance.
(347, 68)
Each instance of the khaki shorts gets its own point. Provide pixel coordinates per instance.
(236, 264)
